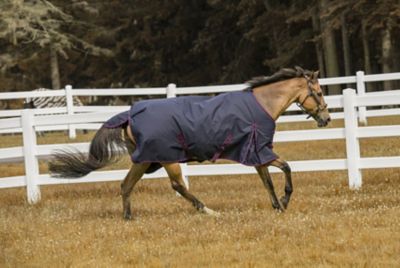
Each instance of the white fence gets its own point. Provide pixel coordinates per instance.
(30, 152)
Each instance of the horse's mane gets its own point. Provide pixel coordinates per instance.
(282, 74)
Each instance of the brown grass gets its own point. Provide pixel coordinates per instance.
(326, 224)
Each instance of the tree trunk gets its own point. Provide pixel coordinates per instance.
(55, 75)
(318, 46)
(329, 45)
(386, 54)
(13, 37)
(396, 55)
(367, 57)
(396, 63)
(275, 32)
(267, 5)
(346, 45)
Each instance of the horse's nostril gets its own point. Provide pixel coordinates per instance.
(328, 120)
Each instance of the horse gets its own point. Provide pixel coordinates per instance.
(49, 102)
(236, 125)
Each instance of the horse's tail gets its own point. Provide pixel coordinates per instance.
(106, 147)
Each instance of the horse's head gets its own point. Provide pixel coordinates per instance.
(28, 103)
(311, 100)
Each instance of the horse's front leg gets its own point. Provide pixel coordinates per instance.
(284, 166)
(266, 179)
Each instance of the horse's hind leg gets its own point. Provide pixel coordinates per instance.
(134, 175)
(175, 174)
(283, 165)
(266, 179)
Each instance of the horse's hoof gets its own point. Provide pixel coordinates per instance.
(210, 212)
(128, 216)
(278, 208)
(284, 202)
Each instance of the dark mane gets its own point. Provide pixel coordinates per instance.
(282, 74)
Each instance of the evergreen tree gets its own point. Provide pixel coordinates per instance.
(31, 29)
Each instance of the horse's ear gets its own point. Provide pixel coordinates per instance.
(299, 70)
(314, 75)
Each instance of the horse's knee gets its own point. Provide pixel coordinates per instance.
(288, 189)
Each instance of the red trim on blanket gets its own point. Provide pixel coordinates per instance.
(226, 142)
(262, 108)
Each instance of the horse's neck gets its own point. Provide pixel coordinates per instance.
(277, 97)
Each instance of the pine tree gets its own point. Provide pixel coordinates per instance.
(31, 28)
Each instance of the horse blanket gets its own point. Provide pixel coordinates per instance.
(230, 126)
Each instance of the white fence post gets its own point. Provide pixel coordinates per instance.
(171, 93)
(70, 109)
(362, 111)
(352, 142)
(30, 158)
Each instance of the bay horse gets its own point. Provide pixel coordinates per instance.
(237, 125)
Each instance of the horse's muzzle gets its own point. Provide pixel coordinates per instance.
(323, 118)
(323, 122)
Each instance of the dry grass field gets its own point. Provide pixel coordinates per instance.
(326, 225)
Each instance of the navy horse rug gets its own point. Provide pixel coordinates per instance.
(230, 126)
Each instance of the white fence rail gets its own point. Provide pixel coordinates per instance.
(30, 152)
(171, 90)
